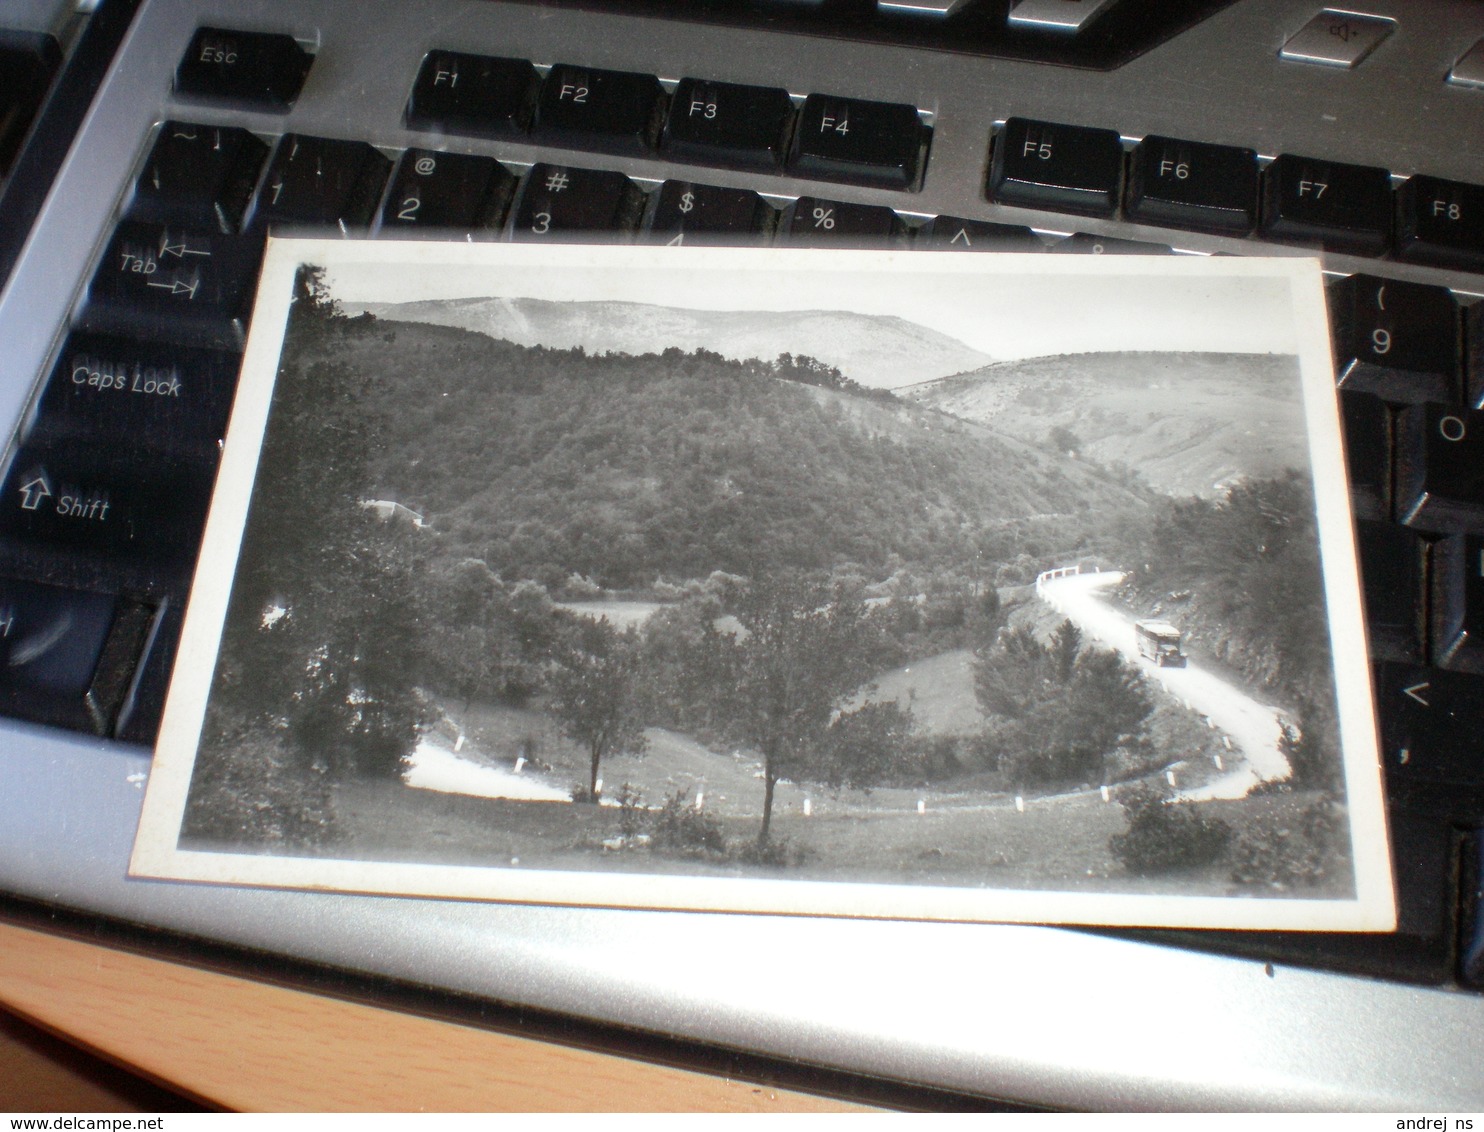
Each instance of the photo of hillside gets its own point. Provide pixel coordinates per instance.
(591, 586)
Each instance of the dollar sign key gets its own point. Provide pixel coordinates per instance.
(688, 201)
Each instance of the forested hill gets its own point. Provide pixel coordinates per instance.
(880, 351)
(624, 468)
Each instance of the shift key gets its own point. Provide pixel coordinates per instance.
(116, 502)
(187, 285)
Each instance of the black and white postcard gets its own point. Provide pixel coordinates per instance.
(905, 584)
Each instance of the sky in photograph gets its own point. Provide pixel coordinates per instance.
(1005, 306)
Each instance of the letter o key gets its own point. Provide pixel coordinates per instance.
(1452, 429)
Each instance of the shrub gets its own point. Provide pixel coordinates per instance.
(1165, 836)
(1305, 850)
(633, 814)
(681, 828)
(776, 852)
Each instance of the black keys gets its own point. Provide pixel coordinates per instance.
(686, 213)
(562, 204)
(321, 181)
(1440, 468)
(1441, 222)
(610, 111)
(727, 124)
(118, 391)
(27, 63)
(51, 642)
(1345, 208)
(1432, 725)
(162, 281)
(1185, 184)
(1367, 422)
(955, 234)
(473, 94)
(201, 175)
(1471, 938)
(257, 68)
(1458, 603)
(1392, 563)
(1086, 243)
(447, 191)
(1396, 339)
(814, 223)
(1065, 168)
(122, 505)
(859, 142)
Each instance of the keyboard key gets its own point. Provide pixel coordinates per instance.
(813, 223)
(858, 142)
(119, 504)
(1064, 17)
(1440, 469)
(566, 205)
(686, 213)
(607, 111)
(1471, 938)
(955, 234)
(51, 640)
(1344, 208)
(726, 124)
(1367, 424)
(1185, 184)
(322, 182)
(187, 285)
(200, 175)
(447, 191)
(1432, 725)
(118, 391)
(1087, 243)
(1398, 340)
(1337, 39)
(1441, 222)
(1392, 562)
(1065, 168)
(108, 696)
(473, 94)
(1458, 603)
(27, 64)
(257, 68)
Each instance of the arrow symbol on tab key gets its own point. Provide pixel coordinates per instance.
(176, 287)
(183, 249)
(1415, 692)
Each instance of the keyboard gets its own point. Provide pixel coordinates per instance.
(147, 149)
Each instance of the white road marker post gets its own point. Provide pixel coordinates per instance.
(1103, 790)
(808, 808)
(1019, 804)
(519, 763)
(922, 805)
(1170, 777)
(700, 798)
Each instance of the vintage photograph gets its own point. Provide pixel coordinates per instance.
(884, 584)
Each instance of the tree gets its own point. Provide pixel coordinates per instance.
(595, 692)
(802, 646)
(1058, 709)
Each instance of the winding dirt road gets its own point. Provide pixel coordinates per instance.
(1252, 727)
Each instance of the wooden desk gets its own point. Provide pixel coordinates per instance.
(239, 1044)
